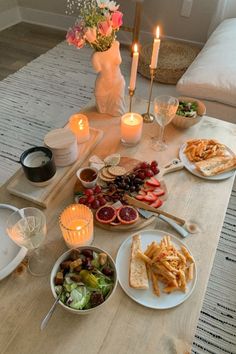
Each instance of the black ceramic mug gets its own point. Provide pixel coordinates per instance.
(38, 164)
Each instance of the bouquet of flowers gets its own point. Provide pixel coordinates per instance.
(97, 24)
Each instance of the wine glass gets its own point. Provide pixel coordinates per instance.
(27, 228)
(165, 108)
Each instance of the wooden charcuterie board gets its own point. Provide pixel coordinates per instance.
(128, 163)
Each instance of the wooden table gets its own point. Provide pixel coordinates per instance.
(123, 326)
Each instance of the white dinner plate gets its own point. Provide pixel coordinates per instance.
(146, 297)
(192, 168)
(10, 253)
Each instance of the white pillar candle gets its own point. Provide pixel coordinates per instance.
(155, 49)
(79, 125)
(134, 68)
(131, 128)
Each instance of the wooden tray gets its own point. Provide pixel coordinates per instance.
(21, 187)
(129, 163)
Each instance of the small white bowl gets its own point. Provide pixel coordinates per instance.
(86, 184)
(186, 122)
(55, 269)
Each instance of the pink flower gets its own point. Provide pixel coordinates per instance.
(105, 28)
(116, 19)
(91, 35)
(70, 37)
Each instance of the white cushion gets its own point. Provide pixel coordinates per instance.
(212, 75)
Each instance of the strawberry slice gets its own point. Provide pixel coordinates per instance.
(153, 182)
(156, 204)
(158, 192)
(140, 197)
(150, 197)
(148, 188)
(142, 192)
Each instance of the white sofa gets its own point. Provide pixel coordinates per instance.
(212, 75)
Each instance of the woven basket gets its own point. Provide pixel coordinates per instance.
(174, 59)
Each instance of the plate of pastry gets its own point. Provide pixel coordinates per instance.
(208, 158)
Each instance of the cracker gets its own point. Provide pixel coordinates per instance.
(117, 170)
(106, 179)
(106, 173)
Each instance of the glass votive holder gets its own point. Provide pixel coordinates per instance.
(79, 125)
(76, 224)
(131, 128)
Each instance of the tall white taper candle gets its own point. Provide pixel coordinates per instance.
(155, 49)
(134, 68)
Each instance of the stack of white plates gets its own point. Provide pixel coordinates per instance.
(63, 144)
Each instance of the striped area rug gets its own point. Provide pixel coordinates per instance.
(42, 96)
(216, 330)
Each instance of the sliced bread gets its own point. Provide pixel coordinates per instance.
(137, 272)
(216, 165)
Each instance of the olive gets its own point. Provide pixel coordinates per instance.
(96, 298)
(87, 253)
(108, 271)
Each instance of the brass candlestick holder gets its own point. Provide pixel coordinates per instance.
(131, 94)
(148, 117)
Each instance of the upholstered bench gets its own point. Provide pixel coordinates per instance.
(212, 75)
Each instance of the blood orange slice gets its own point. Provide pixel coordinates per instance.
(106, 214)
(127, 215)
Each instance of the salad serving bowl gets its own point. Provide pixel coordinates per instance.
(74, 294)
(184, 122)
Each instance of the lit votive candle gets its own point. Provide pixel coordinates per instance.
(79, 125)
(76, 223)
(131, 128)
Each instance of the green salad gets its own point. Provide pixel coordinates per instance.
(85, 279)
(187, 109)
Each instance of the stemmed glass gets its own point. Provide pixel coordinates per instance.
(27, 228)
(165, 108)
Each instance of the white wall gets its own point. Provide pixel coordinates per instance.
(9, 13)
(164, 12)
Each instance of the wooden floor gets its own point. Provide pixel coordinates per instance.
(24, 42)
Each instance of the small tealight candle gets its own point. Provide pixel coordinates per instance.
(76, 223)
(155, 49)
(79, 125)
(131, 128)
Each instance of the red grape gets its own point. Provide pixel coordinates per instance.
(95, 204)
(154, 163)
(82, 200)
(149, 173)
(144, 165)
(88, 192)
(141, 175)
(155, 170)
(90, 199)
(97, 189)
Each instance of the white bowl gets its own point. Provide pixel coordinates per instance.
(186, 122)
(55, 269)
(84, 183)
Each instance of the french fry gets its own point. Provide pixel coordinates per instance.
(145, 258)
(187, 254)
(190, 271)
(155, 286)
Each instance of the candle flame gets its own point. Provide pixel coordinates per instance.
(81, 124)
(78, 228)
(158, 32)
(135, 48)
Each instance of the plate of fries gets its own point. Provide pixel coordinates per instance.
(196, 150)
(171, 270)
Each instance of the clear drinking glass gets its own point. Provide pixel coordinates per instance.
(165, 108)
(27, 228)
